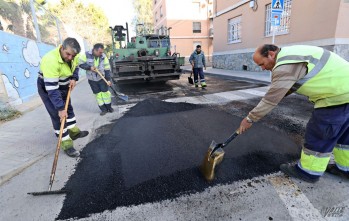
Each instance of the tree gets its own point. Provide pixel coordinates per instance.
(88, 21)
(144, 15)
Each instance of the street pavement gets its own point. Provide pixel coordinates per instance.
(27, 146)
(19, 148)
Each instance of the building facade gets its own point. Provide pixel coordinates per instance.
(242, 25)
(188, 22)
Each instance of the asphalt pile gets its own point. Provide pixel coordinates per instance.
(153, 153)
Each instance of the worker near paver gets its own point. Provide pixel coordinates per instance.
(58, 72)
(323, 77)
(198, 62)
(91, 61)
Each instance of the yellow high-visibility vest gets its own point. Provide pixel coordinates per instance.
(327, 81)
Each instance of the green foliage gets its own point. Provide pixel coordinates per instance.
(8, 10)
(7, 114)
(25, 4)
(88, 21)
(144, 15)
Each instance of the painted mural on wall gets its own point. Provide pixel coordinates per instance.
(19, 66)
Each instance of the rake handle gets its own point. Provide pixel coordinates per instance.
(54, 165)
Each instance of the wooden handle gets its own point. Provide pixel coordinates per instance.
(100, 74)
(54, 165)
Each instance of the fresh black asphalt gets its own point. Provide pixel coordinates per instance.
(153, 152)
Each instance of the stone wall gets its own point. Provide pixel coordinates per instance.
(237, 62)
(342, 50)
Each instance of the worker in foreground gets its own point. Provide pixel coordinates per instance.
(58, 72)
(91, 61)
(323, 77)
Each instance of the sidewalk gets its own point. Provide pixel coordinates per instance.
(260, 76)
(26, 140)
(29, 138)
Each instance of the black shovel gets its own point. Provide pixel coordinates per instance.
(190, 79)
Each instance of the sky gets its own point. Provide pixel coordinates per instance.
(118, 11)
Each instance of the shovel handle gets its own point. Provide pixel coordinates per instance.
(101, 75)
(231, 138)
(105, 80)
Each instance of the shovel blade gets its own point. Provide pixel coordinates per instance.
(211, 160)
(123, 97)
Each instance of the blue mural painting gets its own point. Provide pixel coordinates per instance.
(19, 66)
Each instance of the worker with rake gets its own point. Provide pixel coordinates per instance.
(58, 75)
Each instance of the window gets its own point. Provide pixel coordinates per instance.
(196, 27)
(160, 11)
(284, 27)
(234, 30)
(156, 16)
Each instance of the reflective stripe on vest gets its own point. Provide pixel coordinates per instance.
(99, 63)
(319, 64)
(326, 82)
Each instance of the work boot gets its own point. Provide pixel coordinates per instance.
(68, 147)
(76, 133)
(82, 134)
(72, 152)
(110, 110)
(333, 169)
(293, 171)
(103, 113)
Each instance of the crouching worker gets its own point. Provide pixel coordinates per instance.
(92, 61)
(58, 72)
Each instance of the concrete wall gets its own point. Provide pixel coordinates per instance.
(312, 22)
(19, 66)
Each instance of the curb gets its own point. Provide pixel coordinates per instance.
(185, 71)
(7, 176)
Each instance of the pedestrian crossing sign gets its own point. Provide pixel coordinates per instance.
(277, 5)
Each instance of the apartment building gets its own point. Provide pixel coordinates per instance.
(242, 25)
(188, 22)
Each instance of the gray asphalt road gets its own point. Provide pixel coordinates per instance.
(143, 165)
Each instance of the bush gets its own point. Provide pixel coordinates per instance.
(7, 114)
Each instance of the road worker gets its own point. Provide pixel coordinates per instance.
(96, 60)
(198, 62)
(323, 77)
(58, 72)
